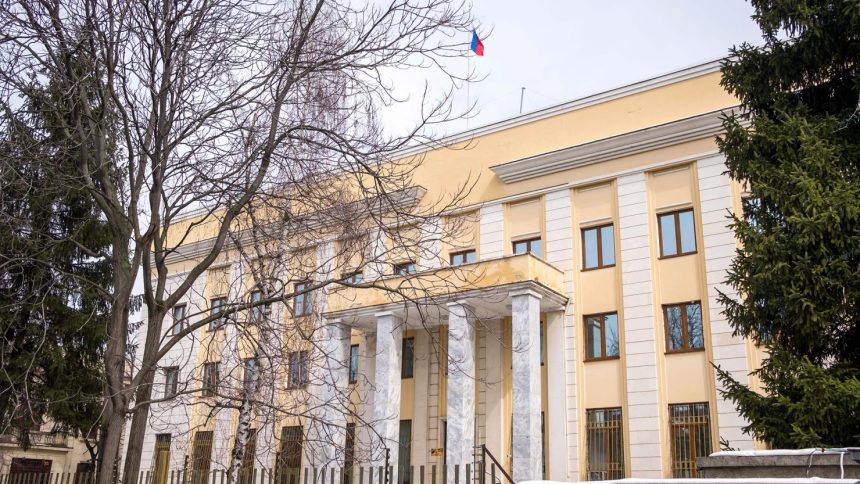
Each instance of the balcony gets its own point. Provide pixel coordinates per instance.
(39, 439)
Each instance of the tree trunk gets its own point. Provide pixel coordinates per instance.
(243, 427)
(134, 447)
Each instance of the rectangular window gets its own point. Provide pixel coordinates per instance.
(201, 457)
(211, 378)
(677, 233)
(542, 343)
(349, 453)
(405, 454)
(463, 257)
(353, 363)
(532, 246)
(683, 326)
(604, 444)
(179, 319)
(171, 381)
(298, 375)
(289, 456)
(303, 302)
(251, 373)
(259, 312)
(161, 459)
(690, 434)
(216, 307)
(352, 278)
(601, 336)
(246, 473)
(598, 247)
(404, 268)
(407, 363)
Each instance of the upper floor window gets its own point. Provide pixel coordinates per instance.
(353, 363)
(211, 378)
(677, 233)
(251, 373)
(404, 268)
(298, 369)
(260, 311)
(303, 302)
(598, 247)
(463, 257)
(683, 326)
(216, 308)
(171, 381)
(180, 320)
(407, 363)
(356, 277)
(528, 246)
(601, 335)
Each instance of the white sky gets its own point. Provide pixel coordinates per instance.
(564, 49)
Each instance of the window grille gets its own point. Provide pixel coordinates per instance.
(605, 444)
(690, 431)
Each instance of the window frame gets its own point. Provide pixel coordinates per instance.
(599, 230)
(691, 427)
(529, 242)
(221, 321)
(677, 220)
(350, 277)
(264, 310)
(603, 354)
(353, 370)
(464, 253)
(209, 387)
(684, 333)
(300, 290)
(178, 326)
(403, 375)
(408, 265)
(301, 357)
(601, 430)
(171, 389)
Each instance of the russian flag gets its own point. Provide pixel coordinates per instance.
(477, 45)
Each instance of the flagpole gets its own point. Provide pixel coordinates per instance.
(468, 73)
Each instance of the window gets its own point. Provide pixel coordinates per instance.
(407, 362)
(246, 473)
(405, 454)
(404, 268)
(211, 378)
(289, 456)
(251, 374)
(258, 313)
(349, 453)
(677, 233)
(353, 363)
(543, 445)
(683, 326)
(598, 247)
(532, 246)
(216, 307)
(601, 336)
(353, 278)
(463, 257)
(201, 457)
(542, 343)
(604, 444)
(690, 433)
(171, 381)
(298, 375)
(161, 459)
(179, 319)
(303, 303)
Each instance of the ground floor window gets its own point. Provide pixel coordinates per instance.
(201, 457)
(690, 434)
(605, 444)
(161, 459)
(289, 457)
(249, 455)
(349, 453)
(405, 454)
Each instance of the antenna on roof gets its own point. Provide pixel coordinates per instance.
(522, 93)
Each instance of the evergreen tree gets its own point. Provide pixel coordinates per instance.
(798, 268)
(53, 273)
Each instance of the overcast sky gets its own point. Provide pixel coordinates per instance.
(561, 50)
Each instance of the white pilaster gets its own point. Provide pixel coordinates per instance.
(386, 404)
(492, 373)
(421, 376)
(329, 397)
(492, 231)
(367, 443)
(461, 386)
(640, 346)
(526, 394)
(562, 425)
(715, 195)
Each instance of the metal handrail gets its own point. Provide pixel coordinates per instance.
(486, 452)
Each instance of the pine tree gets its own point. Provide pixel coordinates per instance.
(53, 271)
(798, 265)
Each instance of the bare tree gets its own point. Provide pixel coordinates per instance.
(258, 117)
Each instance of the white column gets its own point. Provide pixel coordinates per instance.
(422, 397)
(386, 403)
(461, 387)
(492, 238)
(643, 399)
(366, 438)
(329, 397)
(496, 420)
(525, 349)
(562, 422)
(715, 192)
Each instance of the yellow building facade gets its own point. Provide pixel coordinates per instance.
(578, 324)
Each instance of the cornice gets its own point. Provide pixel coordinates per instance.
(634, 142)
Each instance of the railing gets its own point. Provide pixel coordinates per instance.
(47, 439)
(48, 478)
(494, 464)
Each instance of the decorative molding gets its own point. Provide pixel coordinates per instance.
(634, 142)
